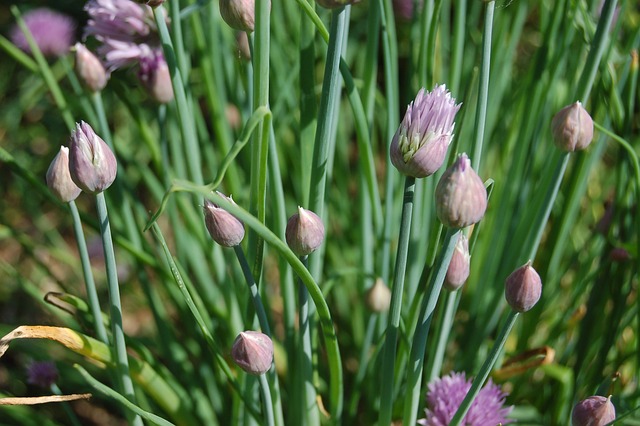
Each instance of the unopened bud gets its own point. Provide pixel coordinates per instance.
(253, 352)
(593, 411)
(523, 288)
(572, 128)
(90, 69)
(459, 267)
(58, 178)
(224, 228)
(461, 198)
(378, 297)
(92, 165)
(239, 14)
(305, 232)
(155, 77)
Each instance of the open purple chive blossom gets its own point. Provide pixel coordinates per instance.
(89, 68)
(460, 265)
(420, 144)
(253, 352)
(523, 288)
(53, 32)
(154, 76)
(446, 394)
(593, 411)
(59, 179)
(224, 228)
(305, 232)
(92, 165)
(42, 373)
(572, 128)
(461, 198)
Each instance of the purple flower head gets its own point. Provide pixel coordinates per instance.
(53, 32)
(42, 373)
(420, 144)
(154, 75)
(403, 9)
(446, 394)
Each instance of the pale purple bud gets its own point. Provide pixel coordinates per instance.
(461, 198)
(224, 228)
(378, 297)
(305, 232)
(92, 164)
(155, 77)
(89, 68)
(253, 352)
(523, 288)
(459, 267)
(239, 14)
(420, 144)
(593, 411)
(59, 179)
(572, 128)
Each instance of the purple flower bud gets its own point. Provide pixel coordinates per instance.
(224, 228)
(420, 144)
(572, 128)
(461, 198)
(593, 411)
(155, 77)
(59, 179)
(42, 373)
(92, 164)
(458, 271)
(403, 9)
(239, 14)
(378, 297)
(253, 352)
(523, 288)
(53, 32)
(305, 232)
(90, 69)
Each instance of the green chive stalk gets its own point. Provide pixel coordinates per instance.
(310, 412)
(266, 400)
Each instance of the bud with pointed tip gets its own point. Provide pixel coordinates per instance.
(305, 232)
(155, 77)
(461, 198)
(92, 165)
(572, 128)
(90, 69)
(224, 228)
(239, 14)
(420, 144)
(593, 411)
(58, 178)
(378, 297)
(523, 288)
(459, 267)
(253, 352)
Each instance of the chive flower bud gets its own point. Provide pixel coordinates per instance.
(155, 77)
(593, 411)
(523, 288)
(92, 164)
(253, 352)
(461, 198)
(239, 14)
(378, 297)
(90, 69)
(420, 144)
(459, 267)
(572, 128)
(58, 178)
(224, 228)
(305, 232)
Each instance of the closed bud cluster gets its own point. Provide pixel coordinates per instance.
(92, 164)
(305, 232)
(460, 265)
(89, 68)
(253, 352)
(378, 297)
(461, 198)
(523, 288)
(572, 128)
(58, 178)
(155, 77)
(224, 228)
(593, 411)
(239, 14)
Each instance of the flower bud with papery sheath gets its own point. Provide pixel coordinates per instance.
(92, 164)
(155, 77)
(460, 264)
(420, 144)
(461, 198)
(378, 297)
(239, 14)
(572, 128)
(523, 288)
(305, 232)
(89, 68)
(58, 178)
(253, 352)
(593, 411)
(224, 228)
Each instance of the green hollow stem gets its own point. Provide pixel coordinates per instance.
(92, 294)
(482, 375)
(389, 350)
(267, 405)
(119, 345)
(310, 413)
(445, 324)
(253, 290)
(416, 358)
